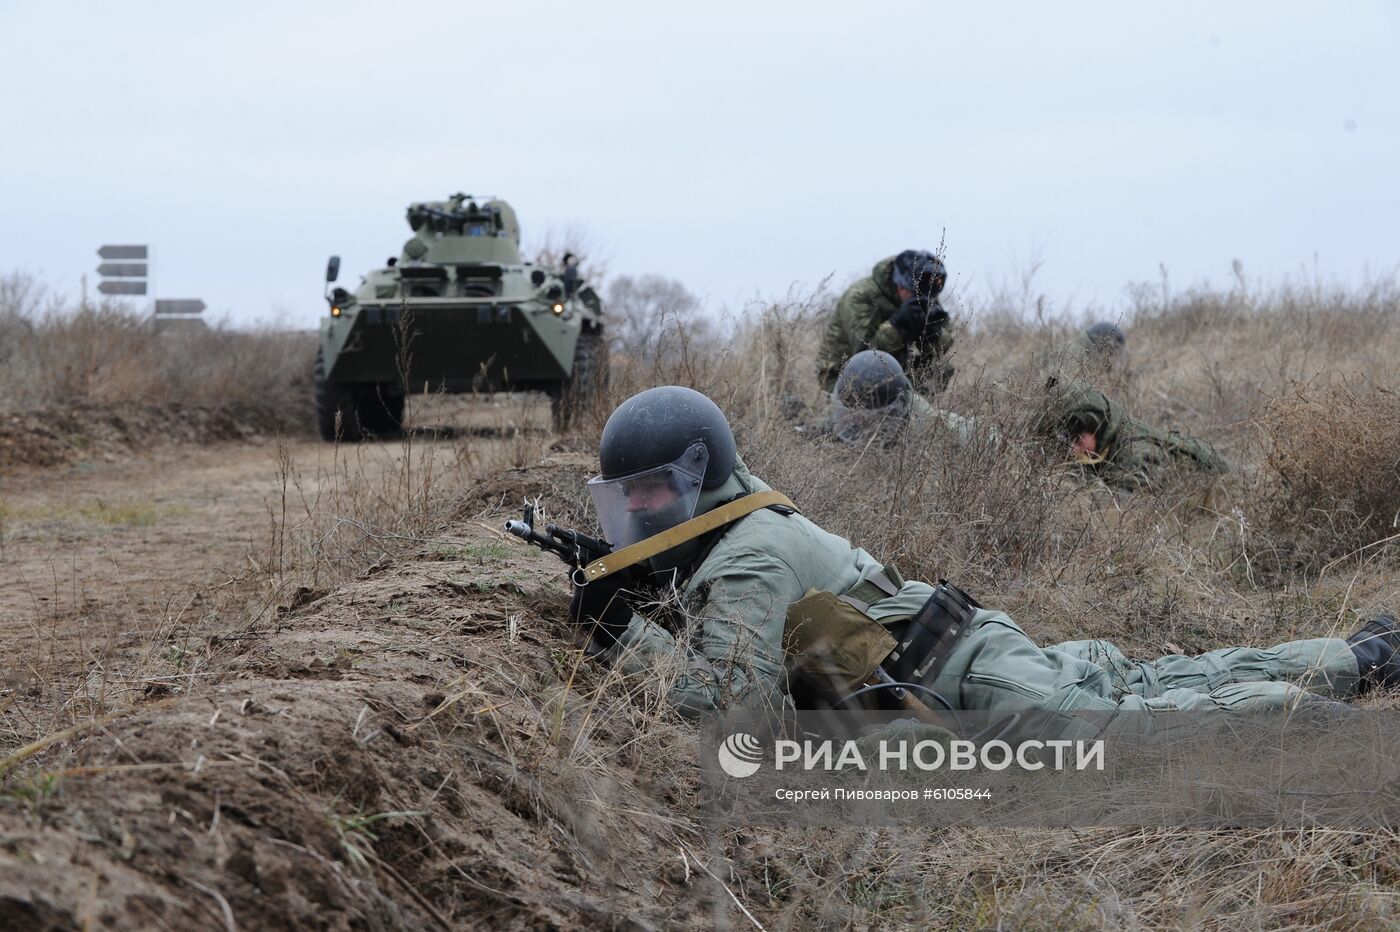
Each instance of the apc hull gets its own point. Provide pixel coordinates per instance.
(452, 346)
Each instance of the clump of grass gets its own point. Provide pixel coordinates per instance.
(96, 513)
(357, 836)
(56, 351)
(1332, 475)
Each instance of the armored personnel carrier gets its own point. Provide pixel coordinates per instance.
(457, 311)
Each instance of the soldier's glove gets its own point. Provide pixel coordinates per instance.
(603, 606)
(934, 323)
(911, 318)
(1377, 650)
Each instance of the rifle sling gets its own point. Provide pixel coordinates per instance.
(689, 530)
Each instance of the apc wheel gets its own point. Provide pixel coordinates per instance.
(337, 415)
(588, 382)
(380, 408)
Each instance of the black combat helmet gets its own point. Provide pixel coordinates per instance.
(871, 379)
(921, 272)
(1107, 335)
(657, 426)
(660, 449)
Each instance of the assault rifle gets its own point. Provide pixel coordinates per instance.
(573, 547)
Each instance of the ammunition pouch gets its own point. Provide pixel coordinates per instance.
(926, 640)
(832, 646)
(835, 648)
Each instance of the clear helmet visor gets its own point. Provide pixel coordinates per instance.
(861, 425)
(643, 504)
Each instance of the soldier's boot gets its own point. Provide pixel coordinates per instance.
(1377, 650)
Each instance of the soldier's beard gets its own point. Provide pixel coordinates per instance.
(650, 522)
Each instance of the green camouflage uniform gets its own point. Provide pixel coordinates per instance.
(730, 653)
(1131, 452)
(862, 321)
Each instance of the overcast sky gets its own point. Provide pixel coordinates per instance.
(738, 147)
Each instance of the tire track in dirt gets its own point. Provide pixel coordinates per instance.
(139, 533)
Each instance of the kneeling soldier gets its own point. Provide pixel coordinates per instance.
(896, 310)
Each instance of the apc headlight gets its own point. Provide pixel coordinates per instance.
(335, 310)
(558, 309)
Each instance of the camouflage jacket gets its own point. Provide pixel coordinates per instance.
(862, 321)
(1077, 360)
(729, 652)
(1131, 453)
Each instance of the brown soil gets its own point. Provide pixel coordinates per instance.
(91, 432)
(405, 750)
(359, 764)
(143, 527)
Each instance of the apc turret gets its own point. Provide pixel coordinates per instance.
(458, 311)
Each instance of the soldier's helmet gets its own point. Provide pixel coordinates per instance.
(659, 450)
(921, 272)
(871, 379)
(870, 402)
(1107, 335)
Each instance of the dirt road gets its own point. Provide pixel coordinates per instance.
(144, 532)
(120, 563)
(141, 531)
(111, 571)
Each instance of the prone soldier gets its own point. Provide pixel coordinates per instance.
(874, 401)
(1097, 356)
(1109, 444)
(1106, 441)
(690, 523)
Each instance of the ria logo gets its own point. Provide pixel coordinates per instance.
(740, 755)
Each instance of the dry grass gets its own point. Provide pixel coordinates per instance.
(1333, 474)
(55, 353)
(1293, 543)
(1297, 386)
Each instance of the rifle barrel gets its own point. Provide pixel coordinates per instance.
(528, 534)
(593, 547)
